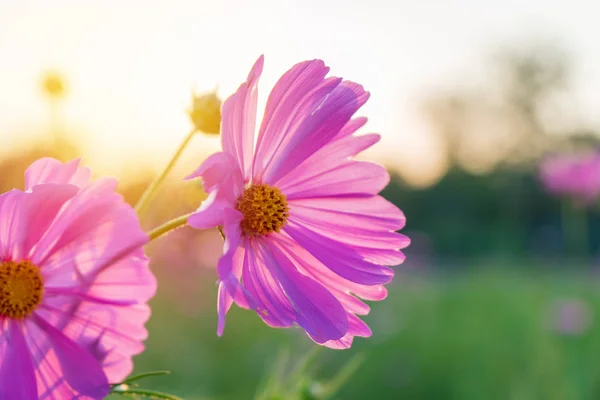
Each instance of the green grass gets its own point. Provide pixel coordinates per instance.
(479, 335)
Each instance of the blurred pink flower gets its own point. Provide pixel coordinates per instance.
(74, 282)
(305, 228)
(570, 316)
(576, 176)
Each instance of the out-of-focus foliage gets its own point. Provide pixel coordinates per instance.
(520, 111)
(491, 203)
(505, 215)
(480, 335)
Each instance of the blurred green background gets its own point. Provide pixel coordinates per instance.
(500, 294)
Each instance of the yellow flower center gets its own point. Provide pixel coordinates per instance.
(21, 289)
(265, 210)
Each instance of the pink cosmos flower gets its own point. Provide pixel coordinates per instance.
(306, 231)
(576, 176)
(74, 283)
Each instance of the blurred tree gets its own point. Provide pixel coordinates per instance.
(490, 203)
(505, 120)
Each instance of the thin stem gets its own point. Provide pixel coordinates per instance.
(151, 190)
(168, 226)
(343, 376)
(146, 392)
(575, 229)
(143, 375)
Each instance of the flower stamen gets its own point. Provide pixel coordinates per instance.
(21, 289)
(265, 210)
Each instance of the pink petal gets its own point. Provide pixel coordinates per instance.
(224, 302)
(316, 127)
(80, 369)
(349, 178)
(380, 247)
(50, 170)
(17, 372)
(223, 182)
(98, 289)
(325, 159)
(356, 328)
(211, 211)
(339, 258)
(12, 224)
(112, 333)
(273, 305)
(352, 126)
(368, 212)
(291, 92)
(94, 213)
(220, 171)
(239, 120)
(231, 289)
(341, 288)
(41, 207)
(229, 264)
(317, 310)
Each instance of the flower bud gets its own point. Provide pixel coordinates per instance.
(53, 85)
(206, 113)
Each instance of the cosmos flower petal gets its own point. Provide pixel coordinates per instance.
(356, 328)
(294, 90)
(12, 223)
(369, 212)
(351, 126)
(76, 223)
(377, 246)
(311, 266)
(343, 260)
(40, 208)
(349, 178)
(222, 180)
(219, 168)
(239, 120)
(273, 305)
(316, 129)
(79, 367)
(17, 372)
(224, 302)
(233, 255)
(228, 289)
(112, 333)
(317, 310)
(95, 225)
(325, 159)
(211, 211)
(50, 170)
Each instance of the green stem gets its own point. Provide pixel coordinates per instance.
(143, 375)
(575, 229)
(151, 190)
(168, 226)
(343, 376)
(148, 393)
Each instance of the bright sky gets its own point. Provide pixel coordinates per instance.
(131, 64)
